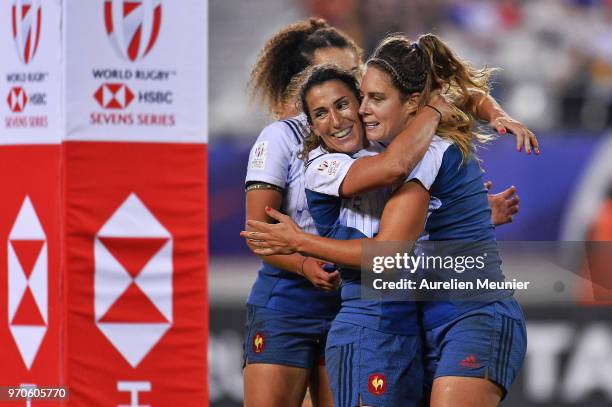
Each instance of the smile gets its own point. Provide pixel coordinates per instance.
(342, 133)
(371, 125)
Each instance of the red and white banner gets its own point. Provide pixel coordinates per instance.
(136, 239)
(136, 70)
(104, 236)
(30, 73)
(135, 190)
(31, 311)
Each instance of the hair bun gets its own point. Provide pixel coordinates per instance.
(317, 22)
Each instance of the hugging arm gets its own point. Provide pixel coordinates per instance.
(402, 220)
(393, 165)
(256, 202)
(484, 107)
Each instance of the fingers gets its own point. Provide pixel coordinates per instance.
(534, 142)
(255, 236)
(527, 144)
(519, 142)
(264, 252)
(501, 129)
(507, 193)
(259, 226)
(488, 185)
(274, 214)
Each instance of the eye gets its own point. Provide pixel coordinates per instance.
(342, 105)
(319, 114)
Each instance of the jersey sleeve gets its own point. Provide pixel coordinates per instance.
(325, 211)
(428, 168)
(271, 155)
(324, 174)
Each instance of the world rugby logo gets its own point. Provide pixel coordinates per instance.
(26, 18)
(132, 26)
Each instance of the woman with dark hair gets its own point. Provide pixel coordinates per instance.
(473, 349)
(292, 302)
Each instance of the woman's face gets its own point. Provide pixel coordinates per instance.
(334, 112)
(383, 111)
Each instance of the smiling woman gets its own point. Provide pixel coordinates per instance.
(443, 199)
(331, 98)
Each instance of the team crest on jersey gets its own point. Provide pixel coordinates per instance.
(377, 384)
(258, 342)
(258, 157)
(329, 167)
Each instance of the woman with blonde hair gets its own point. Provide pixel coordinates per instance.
(475, 347)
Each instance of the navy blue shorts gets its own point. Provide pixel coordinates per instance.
(489, 342)
(281, 338)
(380, 369)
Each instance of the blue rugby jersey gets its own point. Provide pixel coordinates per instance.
(274, 159)
(353, 218)
(458, 211)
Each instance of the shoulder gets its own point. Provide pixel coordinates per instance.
(428, 168)
(326, 171)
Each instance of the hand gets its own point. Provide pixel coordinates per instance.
(313, 271)
(439, 102)
(269, 239)
(524, 137)
(503, 205)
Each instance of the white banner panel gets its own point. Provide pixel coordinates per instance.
(30, 72)
(135, 70)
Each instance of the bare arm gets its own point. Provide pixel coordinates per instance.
(402, 220)
(484, 107)
(256, 202)
(394, 164)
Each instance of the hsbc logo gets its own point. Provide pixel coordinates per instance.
(133, 280)
(26, 16)
(17, 99)
(27, 282)
(132, 26)
(114, 96)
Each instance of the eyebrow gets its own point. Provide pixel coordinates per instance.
(320, 108)
(340, 99)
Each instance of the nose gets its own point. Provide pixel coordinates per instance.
(363, 107)
(336, 120)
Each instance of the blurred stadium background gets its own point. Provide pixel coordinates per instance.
(556, 77)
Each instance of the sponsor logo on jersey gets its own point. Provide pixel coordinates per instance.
(377, 384)
(258, 159)
(329, 167)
